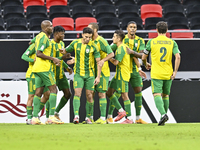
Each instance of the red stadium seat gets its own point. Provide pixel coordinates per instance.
(66, 22)
(27, 3)
(182, 34)
(154, 35)
(83, 22)
(151, 10)
(50, 3)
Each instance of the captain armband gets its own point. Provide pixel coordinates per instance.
(146, 52)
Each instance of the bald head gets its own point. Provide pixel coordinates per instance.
(47, 27)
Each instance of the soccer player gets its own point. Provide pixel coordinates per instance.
(120, 81)
(86, 52)
(29, 56)
(61, 80)
(106, 54)
(162, 73)
(43, 73)
(136, 44)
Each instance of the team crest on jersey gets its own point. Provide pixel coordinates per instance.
(136, 44)
(87, 50)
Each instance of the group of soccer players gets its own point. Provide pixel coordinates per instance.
(91, 70)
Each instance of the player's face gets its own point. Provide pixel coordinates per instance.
(49, 28)
(132, 28)
(86, 38)
(115, 38)
(60, 36)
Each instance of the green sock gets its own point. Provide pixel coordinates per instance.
(111, 105)
(47, 109)
(127, 106)
(52, 103)
(62, 103)
(138, 103)
(89, 109)
(41, 105)
(166, 103)
(76, 105)
(29, 110)
(159, 104)
(36, 104)
(115, 102)
(103, 104)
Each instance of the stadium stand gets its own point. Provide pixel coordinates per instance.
(105, 11)
(186, 3)
(82, 11)
(154, 35)
(150, 23)
(1, 24)
(78, 2)
(35, 24)
(177, 23)
(10, 3)
(195, 25)
(19, 36)
(19, 24)
(27, 3)
(66, 22)
(50, 3)
(173, 11)
(169, 2)
(124, 2)
(36, 12)
(125, 11)
(182, 34)
(13, 12)
(193, 11)
(101, 2)
(83, 22)
(143, 2)
(150, 10)
(59, 11)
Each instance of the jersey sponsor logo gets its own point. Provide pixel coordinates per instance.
(119, 89)
(78, 49)
(100, 86)
(136, 44)
(87, 50)
(27, 52)
(42, 47)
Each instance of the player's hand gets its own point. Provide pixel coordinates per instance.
(70, 70)
(71, 61)
(34, 59)
(100, 63)
(173, 75)
(56, 61)
(62, 51)
(96, 81)
(148, 66)
(68, 55)
(129, 51)
(142, 74)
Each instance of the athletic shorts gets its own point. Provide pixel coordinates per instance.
(136, 80)
(102, 87)
(161, 86)
(44, 79)
(84, 81)
(62, 83)
(120, 86)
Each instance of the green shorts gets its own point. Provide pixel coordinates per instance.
(161, 86)
(31, 85)
(62, 83)
(87, 82)
(44, 79)
(136, 80)
(120, 86)
(102, 87)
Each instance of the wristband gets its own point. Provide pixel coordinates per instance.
(139, 68)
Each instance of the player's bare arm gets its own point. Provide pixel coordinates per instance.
(114, 61)
(109, 56)
(71, 61)
(129, 51)
(176, 66)
(142, 73)
(62, 51)
(97, 80)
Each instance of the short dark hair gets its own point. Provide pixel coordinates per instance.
(120, 34)
(87, 30)
(58, 29)
(131, 22)
(94, 25)
(162, 27)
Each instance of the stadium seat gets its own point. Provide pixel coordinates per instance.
(154, 35)
(124, 2)
(138, 20)
(10, 3)
(66, 22)
(13, 12)
(105, 11)
(186, 3)
(83, 22)
(16, 24)
(35, 24)
(82, 11)
(20, 36)
(50, 3)
(101, 2)
(173, 11)
(125, 11)
(182, 34)
(1, 24)
(150, 10)
(150, 23)
(59, 11)
(143, 2)
(170, 2)
(78, 2)
(193, 11)
(27, 3)
(195, 23)
(36, 12)
(177, 23)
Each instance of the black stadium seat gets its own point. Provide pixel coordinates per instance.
(150, 23)
(1, 24)
(36, 12)
(193, 11)
(177, 23)
(101, 2)
(124, 2)
(142, 2)
(78, 2)
(10, 3)
(59, 11)
(16, 24)
(35, 23)
(173, 11)
(186, 3)
(19, 36)
(82, 11)
(105, 11)
(13, 12)
(169, 2)
(125, 11)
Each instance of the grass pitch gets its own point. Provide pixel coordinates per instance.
(181, 136)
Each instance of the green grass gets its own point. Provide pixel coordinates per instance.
(181, 136)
